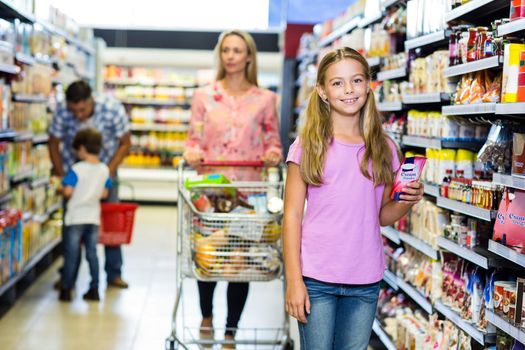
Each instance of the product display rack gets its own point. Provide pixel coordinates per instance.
(433, 39)
(380, 332)
(469, 109)
(425, 142)
(415, 295)
(507, 253)
(431, 190)
(513, 27)
(514, 331)
(467, 209)
(43, 254)
(471, 11)
(479, 256)
(433, 97)
(509, 181)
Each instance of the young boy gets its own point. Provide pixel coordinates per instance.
(84, 186)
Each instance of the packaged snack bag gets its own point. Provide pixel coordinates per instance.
(409, 171)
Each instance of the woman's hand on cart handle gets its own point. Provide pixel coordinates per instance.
(271, 158)
(233, 163)
(193, 158)
(297, 301)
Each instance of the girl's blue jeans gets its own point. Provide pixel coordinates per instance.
(341, 316)
(73, 234)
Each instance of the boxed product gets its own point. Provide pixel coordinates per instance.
(510, 221)
(518, 155)
(511, 67)
(409, 171)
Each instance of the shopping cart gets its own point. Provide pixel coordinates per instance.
(233, 246)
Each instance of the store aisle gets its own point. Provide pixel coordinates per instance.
(138, 318)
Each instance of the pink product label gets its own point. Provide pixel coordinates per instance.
(409, 171)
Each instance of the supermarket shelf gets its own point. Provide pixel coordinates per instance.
(435, 97)
(475, 9)
(5, 197)
(498, 321)
(153, 102)
(389, 106)
(509, 181)
(8, 10)
(507, 253)
(40, 182)
(512, 27)
(57, 31)
(510, 108)
(365, 22)
(414, 294)
(44, 217)
(25, 58)
(437, 38)
(431, 190)
(23, 136)
(40, 138)
(391, 233)
(32, 262)
(381, 334)
(476, 334)
(391, 279)
(22, 176)
(419, 245)
(125, 81)
(478, 255)
(426, 142)
(486, 63)
(339, 32)
(27, 216)
(467, 209)
(30, 98)
(373, 61)
(475, 108)
(9, 68)
(7, 135)
(148, 174)
(392, 74)
(159, 127)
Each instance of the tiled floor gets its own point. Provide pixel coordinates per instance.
(135, 319)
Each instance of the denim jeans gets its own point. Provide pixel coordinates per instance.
(341, 316)
(113, 264)
(72, 236)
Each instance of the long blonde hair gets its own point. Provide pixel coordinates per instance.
(317, 133)
(251, 67)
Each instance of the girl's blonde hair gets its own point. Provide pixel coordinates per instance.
(317, 133)
(251, 67)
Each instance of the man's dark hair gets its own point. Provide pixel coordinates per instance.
(90, 138)
(78, 91)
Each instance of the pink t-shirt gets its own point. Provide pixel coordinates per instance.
(340, 235)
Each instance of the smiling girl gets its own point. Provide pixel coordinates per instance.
(343, 164)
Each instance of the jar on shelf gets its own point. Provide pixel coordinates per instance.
(471, 44)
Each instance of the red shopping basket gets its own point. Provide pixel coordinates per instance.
(116, 223)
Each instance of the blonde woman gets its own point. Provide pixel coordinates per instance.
(344, 165)
(232, 120)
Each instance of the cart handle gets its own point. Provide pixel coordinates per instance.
(235, 163)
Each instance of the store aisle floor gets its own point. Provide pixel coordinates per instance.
(134, 319)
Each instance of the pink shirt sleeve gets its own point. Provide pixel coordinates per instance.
(196, 130)
(294, 152)
(272, 140)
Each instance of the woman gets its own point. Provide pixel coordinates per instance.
(232, 119)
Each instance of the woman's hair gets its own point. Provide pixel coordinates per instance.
(317, 133)
(251, 67)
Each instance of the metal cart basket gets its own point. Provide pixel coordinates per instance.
(240, 244)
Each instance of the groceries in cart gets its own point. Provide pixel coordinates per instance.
(235, 235)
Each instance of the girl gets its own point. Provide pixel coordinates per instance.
(344, 165)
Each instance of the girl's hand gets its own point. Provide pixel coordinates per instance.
(271, 158)
(297, 301)
(413, 193)
(193, 158)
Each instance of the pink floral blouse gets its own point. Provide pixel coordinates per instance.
(225, 127)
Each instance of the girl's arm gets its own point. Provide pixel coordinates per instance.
(297, 301)
(392, 210)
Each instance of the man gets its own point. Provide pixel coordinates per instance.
(84, 109)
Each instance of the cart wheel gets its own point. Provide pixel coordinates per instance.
(289, 345)
(171, 344)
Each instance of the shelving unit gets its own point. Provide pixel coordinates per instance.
(154, 102)
(391, 233)
(392, 74)
(512, 27)
(477, 108)
(476, 334)
(510, 108)
(434, 97)
(415, 295)
(431, 190)
(512, 330)
(391, 279)
(339, 32)
(425, 142)
(381, 334)
(389, 106)
(509, 181)
(432, 39)
(159, 127)
(478, 256)
(507, 253)
(475, 8)
(467, 209)
(475, 66)
(374, 61)
(419, 245)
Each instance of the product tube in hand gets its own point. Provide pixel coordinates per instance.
(409, 171)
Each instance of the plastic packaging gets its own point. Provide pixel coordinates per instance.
(409, 171)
